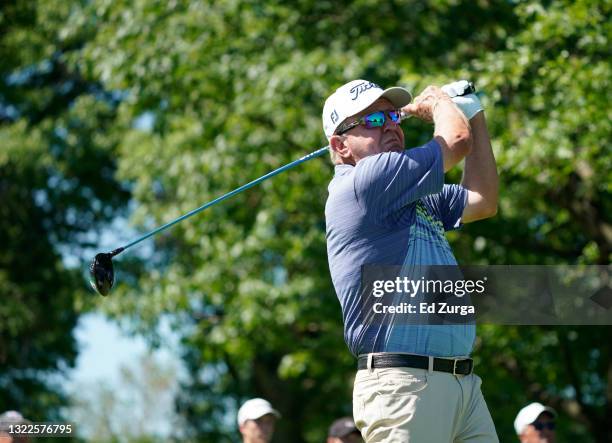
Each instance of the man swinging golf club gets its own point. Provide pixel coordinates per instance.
(390, 206)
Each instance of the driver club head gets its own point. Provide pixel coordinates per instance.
(101, 273)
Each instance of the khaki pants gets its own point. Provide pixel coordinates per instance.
(417, 406)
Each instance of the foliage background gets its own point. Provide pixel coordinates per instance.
(146, 109)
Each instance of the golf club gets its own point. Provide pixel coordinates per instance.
(102, 275)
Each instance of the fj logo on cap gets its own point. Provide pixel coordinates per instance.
(362, 87)
(334, 117)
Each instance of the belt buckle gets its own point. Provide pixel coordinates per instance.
(471, 367)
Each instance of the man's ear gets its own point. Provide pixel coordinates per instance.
(338, 145)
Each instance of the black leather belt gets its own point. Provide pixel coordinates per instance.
(455, 367)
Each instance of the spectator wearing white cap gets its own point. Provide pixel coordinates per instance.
(256, 420)
(344, 430)
(535, 423)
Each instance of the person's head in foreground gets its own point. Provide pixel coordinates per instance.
(256, 420)
(362, 119)
(535, 423)
(344, 430)
(7, 419)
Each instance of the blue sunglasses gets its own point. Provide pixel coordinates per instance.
(373, 120)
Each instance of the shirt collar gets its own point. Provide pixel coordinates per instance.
(343, 169)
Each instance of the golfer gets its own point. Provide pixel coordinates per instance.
(390, 206)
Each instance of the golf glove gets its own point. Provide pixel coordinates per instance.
(469, 104)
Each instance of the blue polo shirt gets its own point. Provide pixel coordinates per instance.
(393, 209)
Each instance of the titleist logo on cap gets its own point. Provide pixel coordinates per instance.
(362, 87)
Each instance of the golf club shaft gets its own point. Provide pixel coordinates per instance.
(317, 153)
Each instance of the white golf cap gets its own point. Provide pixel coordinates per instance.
(354, 97)
(254, 409)
(529, 414)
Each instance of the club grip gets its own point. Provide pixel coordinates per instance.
(468, 89)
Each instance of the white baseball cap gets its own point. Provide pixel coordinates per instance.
(353, 97)
(529, 414)
(254, 409)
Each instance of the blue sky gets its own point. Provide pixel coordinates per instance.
(104, 351)
(104, 348)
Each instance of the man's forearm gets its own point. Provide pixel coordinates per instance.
(480, 173)
(452, 126)
(451, 131)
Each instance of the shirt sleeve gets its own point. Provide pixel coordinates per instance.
(386, 182)
(448, 205)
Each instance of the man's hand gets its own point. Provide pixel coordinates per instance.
(468, 103)
(424, 104)
(451, 128)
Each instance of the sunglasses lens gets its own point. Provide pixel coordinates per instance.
(541, 426)
(395, 116)
(375, 120)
